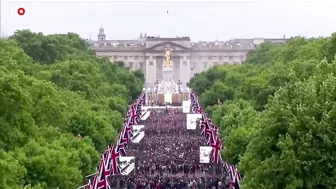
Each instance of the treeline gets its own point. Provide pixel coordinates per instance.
(60, 106)
(278, 118)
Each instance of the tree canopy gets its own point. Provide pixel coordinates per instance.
(60, 106)
(278, 118)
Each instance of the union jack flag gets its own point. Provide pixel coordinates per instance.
(101, 179)
(88, 185)
(135, 117)
(114, 158)
(217, 147)
(143, 99)
(210, 136)
(123, 139)
(209, 130)
(235, 177)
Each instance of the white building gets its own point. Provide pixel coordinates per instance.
(147, 53)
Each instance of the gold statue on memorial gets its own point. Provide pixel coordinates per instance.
(168, 62)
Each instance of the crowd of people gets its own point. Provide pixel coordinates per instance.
(168, 157)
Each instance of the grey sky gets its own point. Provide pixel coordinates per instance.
(199, 20)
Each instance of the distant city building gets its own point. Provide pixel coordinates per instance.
(147, 53)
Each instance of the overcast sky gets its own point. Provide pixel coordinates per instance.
(199, 20)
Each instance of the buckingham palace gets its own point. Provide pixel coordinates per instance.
(188, 58)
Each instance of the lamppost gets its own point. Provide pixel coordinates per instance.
(156, 91)
(157, 85)
(179, 85)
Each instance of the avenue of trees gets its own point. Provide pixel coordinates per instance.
(60, 106)
(278, 118)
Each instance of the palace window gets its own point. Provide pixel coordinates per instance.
(184, 63)
(194, 65)
(210, 57)
(230, 57)
(151, 63)
(141, 56)
(115, 57)
(136, 57)
(130, 64)
(199, 57)
(242, 57)
(147, 57)
(220, 57)
(125, 57)
(205, 65)
(188, 57)
(141, 66)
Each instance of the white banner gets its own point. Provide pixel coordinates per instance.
(205, 153)
(158, 107)
(126, 164)
(192, 120)
(186, 106)
(138, 133)
(145, 108)
(145, 115)
(168, 98)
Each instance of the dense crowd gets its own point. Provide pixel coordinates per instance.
(168, 156)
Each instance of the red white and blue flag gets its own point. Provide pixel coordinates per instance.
(235, 177)
(216, 146)
(114, 158)
(100, 180)
(123, 139)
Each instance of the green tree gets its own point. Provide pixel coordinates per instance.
(294, 148)
(279, 123)
(53, 88)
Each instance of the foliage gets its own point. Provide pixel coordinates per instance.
(52, 89)
(278, 121)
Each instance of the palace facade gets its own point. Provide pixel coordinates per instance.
(147, 53)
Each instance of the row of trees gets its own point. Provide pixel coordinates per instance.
(54, 89)
(278, 119)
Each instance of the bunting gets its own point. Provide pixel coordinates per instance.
(211, 132)
(109, 163)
